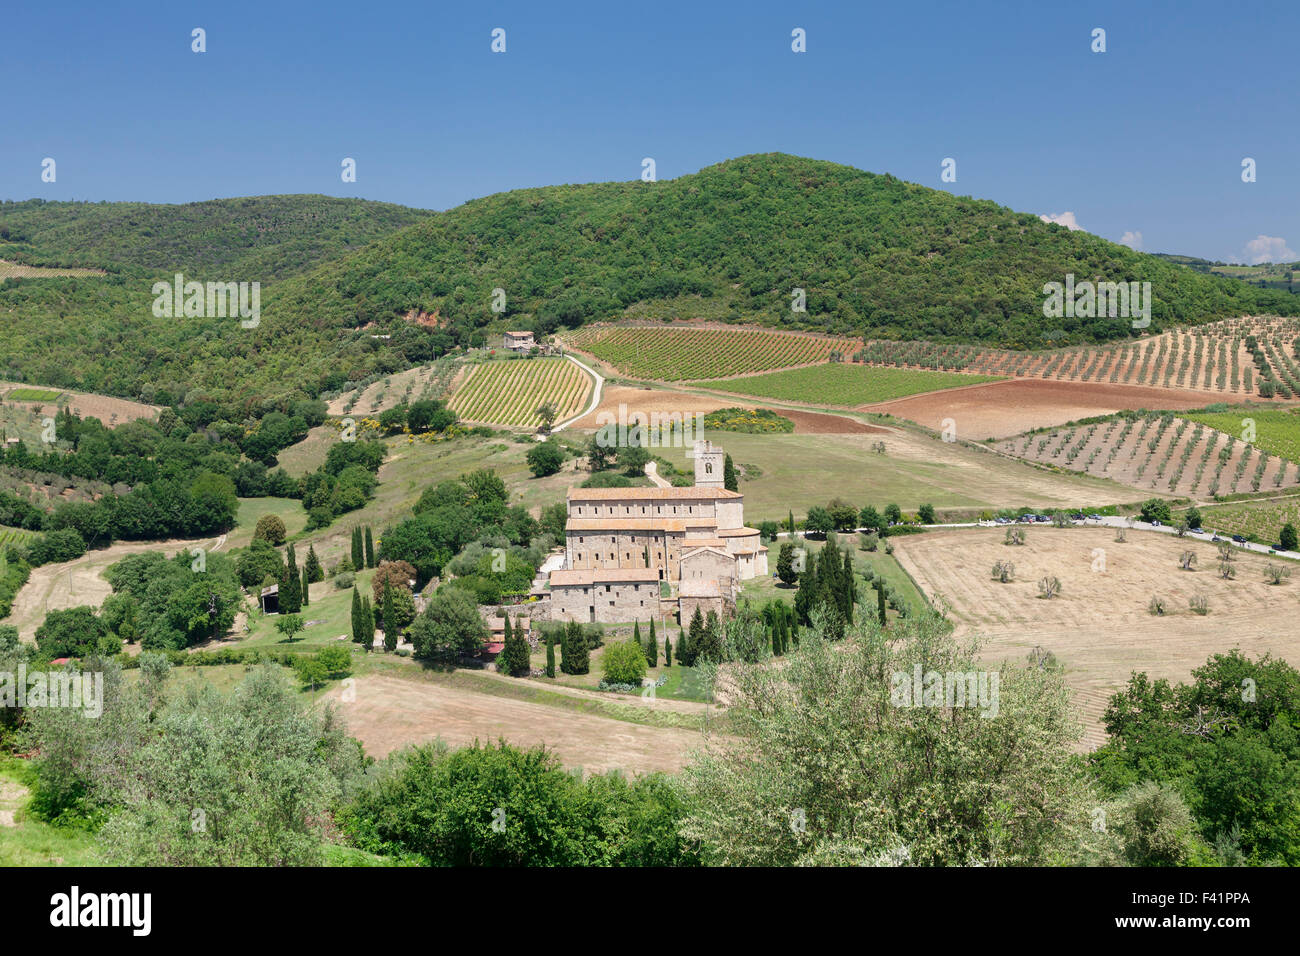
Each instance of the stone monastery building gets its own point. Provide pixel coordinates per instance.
(624, 544)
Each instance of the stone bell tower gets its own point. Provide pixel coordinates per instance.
(709, 460)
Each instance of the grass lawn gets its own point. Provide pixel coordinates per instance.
(800, 470)
(289, 510)
(684, 683)
(329, 607)
(758, 591)
(841, 384)
(30, 842)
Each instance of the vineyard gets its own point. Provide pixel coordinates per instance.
(509, 391)
(10, 536)
(838, 384)
(15, 270)
(1162, 452)
(22, 394)
(1277, 430)
(1248, 356)
(1245, 356)
(673, 355)
(1262, 523)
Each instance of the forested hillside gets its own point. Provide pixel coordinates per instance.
(875, 255)
(261, 238)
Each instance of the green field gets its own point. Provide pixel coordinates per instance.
(839, 384)
(801, 470)
(32, 394)
(1277, 430)
(510, 392)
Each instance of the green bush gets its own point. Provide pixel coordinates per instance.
(624, 663)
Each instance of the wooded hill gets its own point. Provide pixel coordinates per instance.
(875, 255)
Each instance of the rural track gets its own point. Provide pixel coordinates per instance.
(595, 396)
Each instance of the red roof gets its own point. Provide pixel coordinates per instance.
(494, 648)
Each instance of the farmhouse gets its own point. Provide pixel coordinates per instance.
(624, 547)
(518, 341)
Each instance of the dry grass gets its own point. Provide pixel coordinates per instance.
(1099, 625)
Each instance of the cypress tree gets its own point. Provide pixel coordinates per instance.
(306, 592)
(880, 600)
(729, 479)
(847, 591)
(367, 622)
(314, 571)
(358, 619)
(291, 586)
(387, 612)
(358, 556)
(575, 657)
(636, 636)
(789, 522)
(550, 653)
(668, 652)
(370, 549)
(652, 646)
(514, 659)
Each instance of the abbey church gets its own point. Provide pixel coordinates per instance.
(635, 553)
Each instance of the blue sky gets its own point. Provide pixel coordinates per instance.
(1146, 138)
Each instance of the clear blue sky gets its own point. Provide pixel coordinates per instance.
(1146, 138)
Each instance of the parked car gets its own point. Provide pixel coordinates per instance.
(1239, 539)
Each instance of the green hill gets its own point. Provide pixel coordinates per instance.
(874, 254)
(259, 237)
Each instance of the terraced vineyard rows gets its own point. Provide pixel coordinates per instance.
(677, 354)
(1247, 356)
(841, 384)
(10, 536)
(509, 391)
(1161, 452)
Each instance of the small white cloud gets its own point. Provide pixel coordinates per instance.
(1268, 249)
(1131, 239)
(1065, 219)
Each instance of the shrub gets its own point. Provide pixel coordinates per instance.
(270, 529)
(624, 663)
(344, 580)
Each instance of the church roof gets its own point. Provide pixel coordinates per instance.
(603, 576)
(653, 494)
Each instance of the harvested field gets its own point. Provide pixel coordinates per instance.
(389, 713)
(1099, 626)
(1003, 409)
(109, 410)
(54, 587)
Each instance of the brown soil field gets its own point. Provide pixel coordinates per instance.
(1002, 409)
(109, 410)
(1099, 626)
(57, 587)
(390, 713)
(665, 402)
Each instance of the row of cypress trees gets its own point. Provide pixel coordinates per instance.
(363, 548)
(363, 620)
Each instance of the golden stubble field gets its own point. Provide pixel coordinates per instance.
(388, 713)
(1099, 625)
